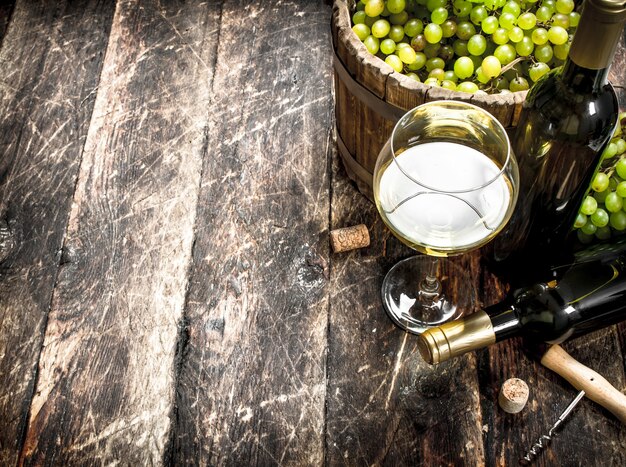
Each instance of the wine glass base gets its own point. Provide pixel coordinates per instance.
(411, 309)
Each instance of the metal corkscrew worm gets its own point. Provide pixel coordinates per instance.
(544, 440)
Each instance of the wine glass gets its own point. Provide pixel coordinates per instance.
(445, 183)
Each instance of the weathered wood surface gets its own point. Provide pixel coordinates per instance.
(168, 179)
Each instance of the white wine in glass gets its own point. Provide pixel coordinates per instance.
(445, 183)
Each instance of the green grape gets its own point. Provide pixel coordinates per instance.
(613, 202)
(448, 84)
(620, 167)
(574, 19)
(399, 18)
(370, 21)
(610, 151)
(360, 5)
(537, 70)
(491, 66)
(603, 233)
(435, 62)
(543, 14)
(516, 34)
(432, 50)
(433, 33)
(463, 68)
(387, 46)
(449, 75)
(561, 51)
(502, 84)
(527, 21)
(524, 47)
(413, 27)
(448, 28)
(396, 33)
(589, 206)
(381, 28)
(489, 24)
(437, 73)
(620, 144)
(491, 4)
(431, 5)
(374, 7)
(507, 20)
(414, 77)
(461, 8)
(564, 6)
(505, 53)
(359, 17)
(419, 43)
(557, 35)
(600, 218)
(613, 182)
(583, 237)
(550, 4)
(481, 77)
(539, 36)
(467, 86)
(544, 53)
(589, 228)
(478, 14)
(617, 220)
(386, 12)
(620, 189)
(396, 6)
(446, 52)
(512, 7)
(465, 30)
(361, 30)
(500, 36)
(519, 84)
(432, 82)
(419, 63)
(600, 196)
(372, 44)
(559, 19)
(476, 60)
(439, 15)
(407, 55)
(581, 220)
(402, 45)
(476, 44)
(460, 48)
(394, 62)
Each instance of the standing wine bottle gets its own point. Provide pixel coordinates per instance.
(566, 121)
(587, 294)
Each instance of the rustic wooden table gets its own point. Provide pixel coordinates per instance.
(168, 180)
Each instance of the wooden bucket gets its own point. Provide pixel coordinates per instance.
(370, 97)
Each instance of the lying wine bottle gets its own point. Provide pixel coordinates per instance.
(578, 298)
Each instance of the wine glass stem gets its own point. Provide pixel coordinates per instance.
(430, 287)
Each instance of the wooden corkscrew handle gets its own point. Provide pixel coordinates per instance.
(596, 387)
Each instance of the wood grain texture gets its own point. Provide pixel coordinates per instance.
(48, 75)
(105, 387)
(252, 378)
(6, 8)
(385, 406)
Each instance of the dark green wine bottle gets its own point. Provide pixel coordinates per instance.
(567, 119)
(576, 298)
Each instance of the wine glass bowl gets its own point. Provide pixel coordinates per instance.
(445, 183)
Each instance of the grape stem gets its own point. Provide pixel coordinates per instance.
(512, 64)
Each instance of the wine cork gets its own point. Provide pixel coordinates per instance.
(349, 238)
(513, 395)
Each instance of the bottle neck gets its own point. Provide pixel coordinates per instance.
(504, 320)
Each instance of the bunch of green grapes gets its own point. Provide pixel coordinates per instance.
(468, 45)
(602, 213)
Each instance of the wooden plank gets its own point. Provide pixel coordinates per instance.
(252, 377)
(48, 74)
(385, 406)
(105, 386)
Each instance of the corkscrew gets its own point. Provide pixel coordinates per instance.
(544, 440)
